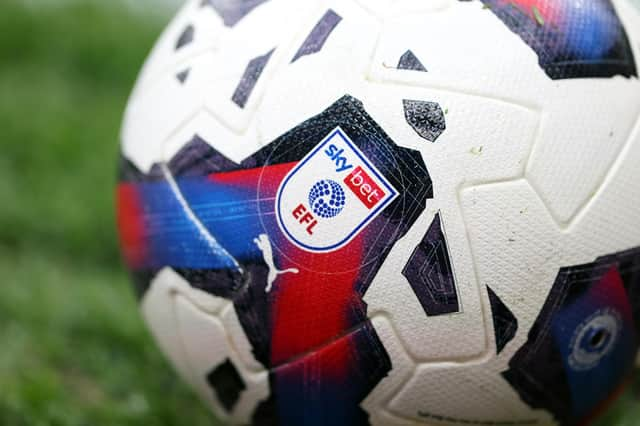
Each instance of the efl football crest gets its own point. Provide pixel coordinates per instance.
(331, 195)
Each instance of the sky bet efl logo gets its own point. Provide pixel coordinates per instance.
(331, 195)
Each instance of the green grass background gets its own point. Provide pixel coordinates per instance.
(73, 349)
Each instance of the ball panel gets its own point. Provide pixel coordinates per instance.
(600, 130)
(518, 77)
(488, 154)
(159, 314)
(207, 343)
(150, 119)
(608, 222)
(206, 129)
(239, 341)
(515, 245)
(519, 216)
(457, 61)
(453, 394)
(424, 337)
(315, 81)
(203, 338)
(583, 339)
(173, 47)
(402, 369)
(635, 3)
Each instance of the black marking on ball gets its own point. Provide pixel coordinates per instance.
(539, 370)
(183, 75)
(505, 324)
(227, 384)
(426, 118)
(250, 78)
(318, 35)
(409, 61)
(430, 273)
(186, 37)
(232, 11)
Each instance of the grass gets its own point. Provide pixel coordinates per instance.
(74, 350)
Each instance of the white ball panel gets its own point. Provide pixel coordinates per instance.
(207, 345)
(235, 146)
(306, 87)
(636, 3)
(629, 12)
(159, 314)
(197, 340)
(162, 106)
(384, 418)
(485, 140)
(590, 108)
(271, 21)
(516, 247)
(383, 9)
(162, 110)
(204, 342)
(456, 61)
(406, 7)
(379, 8)
(450, 394)
(205, 301)
(402, 369)
(171, 283)
(429, 338)
(479, 152)
(609, 223)
(586, 123)
(165, 58)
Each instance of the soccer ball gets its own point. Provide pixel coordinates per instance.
(390, 212)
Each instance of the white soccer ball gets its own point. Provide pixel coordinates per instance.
(385, 212)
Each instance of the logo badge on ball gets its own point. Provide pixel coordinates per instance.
(331, 195)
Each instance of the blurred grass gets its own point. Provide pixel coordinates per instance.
(73, 350)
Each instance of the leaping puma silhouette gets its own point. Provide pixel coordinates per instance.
(264, 244)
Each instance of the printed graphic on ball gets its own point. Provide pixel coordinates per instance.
(331, 195)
